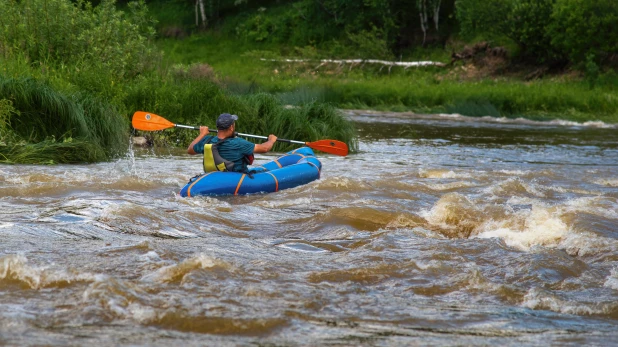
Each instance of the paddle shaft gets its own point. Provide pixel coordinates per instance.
(241, 134)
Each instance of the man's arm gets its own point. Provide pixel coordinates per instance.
(266, 146)
(203, 132)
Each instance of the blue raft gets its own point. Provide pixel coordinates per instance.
(293, 169)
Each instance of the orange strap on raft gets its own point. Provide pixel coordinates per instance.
(276, 181)
(194, 182)
(315, 166)
(239, 183)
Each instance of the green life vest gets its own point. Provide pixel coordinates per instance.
(212, 160)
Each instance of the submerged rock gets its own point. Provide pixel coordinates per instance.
(141, 141)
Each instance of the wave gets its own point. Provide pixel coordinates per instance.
(177, 272)
(15, 269)
(360, 115)
(540, 299)
(562, 225)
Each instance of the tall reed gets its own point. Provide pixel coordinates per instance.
(199, 102)
(82, 127)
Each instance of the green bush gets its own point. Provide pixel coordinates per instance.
(6, 112)
(525, 22)
(41, 118)
(258, 28)
(199, 102)
(76, 33)
(370, 45)
(308, 22)
(580, 28)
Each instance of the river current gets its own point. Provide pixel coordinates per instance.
(442, 230)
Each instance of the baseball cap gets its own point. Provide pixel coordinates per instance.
(226, 120)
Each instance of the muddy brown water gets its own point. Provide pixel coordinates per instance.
(443, 230)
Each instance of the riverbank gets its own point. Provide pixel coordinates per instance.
(73, 104)
(463, 88)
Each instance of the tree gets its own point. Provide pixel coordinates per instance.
(525, 22)
(583, 28)
(199, 10)
(423, 7)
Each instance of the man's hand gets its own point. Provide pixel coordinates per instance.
(203, 132)
(266, 146)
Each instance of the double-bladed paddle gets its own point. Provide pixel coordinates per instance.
(151, 122)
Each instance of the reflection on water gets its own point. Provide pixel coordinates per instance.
(442, 230)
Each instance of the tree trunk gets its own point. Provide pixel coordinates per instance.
(422, 11)
(199, 5)
(436, 12)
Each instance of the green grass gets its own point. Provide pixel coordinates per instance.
(430, 89)
(199, 102)
(50, 151)
(49, 126)
(55, 118)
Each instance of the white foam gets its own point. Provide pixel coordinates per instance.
(450, 186)
(169, 273)
(543, 300)
(612, 280)
(402, 116)
(426, 173)
(284, 203)
(150, 256)
(37, 277)
(515, 172)
(541, 226)
(514, 185)
(596, 205)
(606, 182)
(141, 313)
(525, 121)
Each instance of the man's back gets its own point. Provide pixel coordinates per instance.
(233, 149)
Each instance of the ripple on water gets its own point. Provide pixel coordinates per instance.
(16, 270)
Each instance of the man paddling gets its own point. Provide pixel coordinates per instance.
(226, 152)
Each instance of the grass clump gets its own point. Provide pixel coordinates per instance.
(54, 127)
(199, 102)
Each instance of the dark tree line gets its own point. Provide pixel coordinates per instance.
(542, 31)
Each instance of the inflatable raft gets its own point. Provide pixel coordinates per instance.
(293, 169)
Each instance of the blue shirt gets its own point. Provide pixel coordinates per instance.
(233, 149)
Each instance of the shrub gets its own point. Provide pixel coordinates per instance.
(6, 112)
(101, 35)
(90, 127)
(524, 22)
(370, 44)
(580, 28)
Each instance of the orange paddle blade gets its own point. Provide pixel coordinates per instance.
(150, 122)
(330, 146)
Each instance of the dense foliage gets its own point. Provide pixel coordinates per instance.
(524, 22)
(35, 116)
(543, 31)
(195, 100)
(546, 30)
(400, 24)
(72, 73)
(585, 28)
(77, 33)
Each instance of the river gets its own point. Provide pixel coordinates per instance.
(442, 230)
